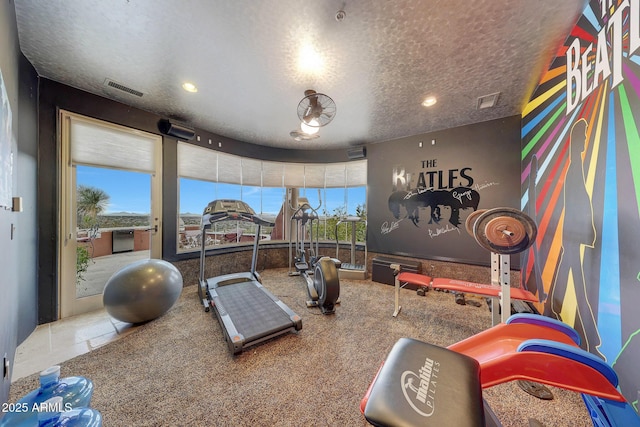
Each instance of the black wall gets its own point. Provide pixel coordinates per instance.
(476, 165)
(27, 167)
(18, 229)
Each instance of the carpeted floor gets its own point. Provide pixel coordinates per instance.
(178, 371)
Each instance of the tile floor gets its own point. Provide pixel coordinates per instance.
(53, 343)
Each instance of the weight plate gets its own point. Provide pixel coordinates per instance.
(534, 389)
(471, 219)
(490, 227)
(505, 231)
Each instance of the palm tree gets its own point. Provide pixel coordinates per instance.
(90, 202)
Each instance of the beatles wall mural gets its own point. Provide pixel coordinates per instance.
(422, 188)
(581, 183)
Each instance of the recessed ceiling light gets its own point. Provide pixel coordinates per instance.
(310, 60)
(189, 87)
(429, 101)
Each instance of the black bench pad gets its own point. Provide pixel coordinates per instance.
(423, 384)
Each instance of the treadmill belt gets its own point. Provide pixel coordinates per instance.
(252, 311)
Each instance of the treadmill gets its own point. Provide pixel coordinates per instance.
(248, 313)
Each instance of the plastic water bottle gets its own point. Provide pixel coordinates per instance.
(54, 414)
(75, 392)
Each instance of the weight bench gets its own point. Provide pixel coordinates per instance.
(423, 384)
(401, 277)
(500, 289)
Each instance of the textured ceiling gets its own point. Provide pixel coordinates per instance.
(378, 63)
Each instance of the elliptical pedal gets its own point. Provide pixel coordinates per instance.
(302, 266)
(349, 266)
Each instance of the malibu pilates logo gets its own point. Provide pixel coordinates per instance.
(419, 388)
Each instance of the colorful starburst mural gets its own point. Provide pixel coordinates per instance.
(581, 183)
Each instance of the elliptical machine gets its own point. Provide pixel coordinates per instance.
(320, 273)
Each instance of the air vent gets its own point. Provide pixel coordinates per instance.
(115, 85)
(488, 101)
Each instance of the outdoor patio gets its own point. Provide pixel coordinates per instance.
(100, 269)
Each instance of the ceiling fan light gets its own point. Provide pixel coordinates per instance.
(311, 127)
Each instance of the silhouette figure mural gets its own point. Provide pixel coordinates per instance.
(532, 258)
(578, 233)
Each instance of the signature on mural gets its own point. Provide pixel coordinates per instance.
(416, 192)
(442, 230)
(482, 186)
(387, 228)
(462, 195)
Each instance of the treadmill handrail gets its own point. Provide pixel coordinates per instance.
(210, 217)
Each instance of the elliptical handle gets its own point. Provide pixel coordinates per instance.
(319, 202)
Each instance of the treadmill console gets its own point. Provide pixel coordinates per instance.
(228, 209)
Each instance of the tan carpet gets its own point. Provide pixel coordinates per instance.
(178, 371)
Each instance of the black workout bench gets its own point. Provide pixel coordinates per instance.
(426, 385)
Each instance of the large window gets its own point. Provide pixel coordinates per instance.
(338, 189)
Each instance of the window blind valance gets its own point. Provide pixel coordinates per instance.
(209, 165)
(99, 144)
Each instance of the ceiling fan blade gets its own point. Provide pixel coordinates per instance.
(310, 120)
(313, 101)
(308, 114)
(312, 97)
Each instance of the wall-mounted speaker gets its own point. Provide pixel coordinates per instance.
(357, 153)
(178, 130)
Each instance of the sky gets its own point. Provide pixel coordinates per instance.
(130, 192)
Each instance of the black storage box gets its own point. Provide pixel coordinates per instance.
(382, 272)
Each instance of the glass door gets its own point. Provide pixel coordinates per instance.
(110, 206)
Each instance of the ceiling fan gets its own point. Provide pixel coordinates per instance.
(316, 109)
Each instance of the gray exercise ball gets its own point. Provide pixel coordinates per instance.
(142, 291)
